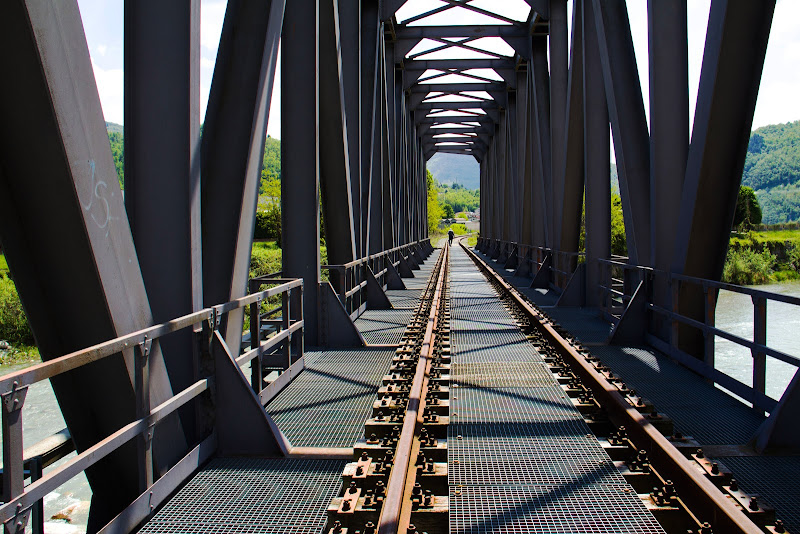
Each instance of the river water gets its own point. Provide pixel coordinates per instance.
(66, 510)
(735, 315)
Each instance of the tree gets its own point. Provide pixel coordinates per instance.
(448, 211)
(748, 212)
(435, 210)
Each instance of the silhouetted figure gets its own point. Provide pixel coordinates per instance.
(451, 234)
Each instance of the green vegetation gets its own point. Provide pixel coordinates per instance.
(115, 139)
(459, 198)
(762, 257)
(459, 229)
(772, 170)
(14, 328)
(472, 241)
(748, 267)
(448, 211)
(619, 246)
(748, 212)
(435, 209)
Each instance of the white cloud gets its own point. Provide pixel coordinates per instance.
(110, 85)
(101, 49)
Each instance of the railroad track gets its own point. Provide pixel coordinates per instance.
(398, 479)
(687, 492)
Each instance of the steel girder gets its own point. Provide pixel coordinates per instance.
(67, 240)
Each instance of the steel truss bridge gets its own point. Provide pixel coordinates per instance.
(526, 385)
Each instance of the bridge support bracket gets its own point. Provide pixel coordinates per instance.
(632, 326)
(542, 278)
(376, 298)
(243, 427)
(337, 328)
(575, 292)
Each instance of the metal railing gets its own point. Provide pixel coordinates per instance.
(621, 281)
(136, 348)
(350, 279)
(562, 264)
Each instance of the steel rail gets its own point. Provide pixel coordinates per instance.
(691, 485)
(389, 521)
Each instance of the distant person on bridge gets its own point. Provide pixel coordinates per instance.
(451, 234)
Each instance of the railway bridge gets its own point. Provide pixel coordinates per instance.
(532, 382)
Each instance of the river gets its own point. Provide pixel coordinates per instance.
(66, 510)
(735, 315)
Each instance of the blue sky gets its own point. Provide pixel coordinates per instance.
(778, 97)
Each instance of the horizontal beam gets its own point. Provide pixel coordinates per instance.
(443, 64)
(474, 104)
(457, 87)
(422, 32)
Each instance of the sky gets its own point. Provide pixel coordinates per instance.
(778, 100)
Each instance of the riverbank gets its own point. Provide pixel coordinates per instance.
(763, 257)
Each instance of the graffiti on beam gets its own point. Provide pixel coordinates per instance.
(97, 198)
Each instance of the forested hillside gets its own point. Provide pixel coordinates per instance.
(772, 169)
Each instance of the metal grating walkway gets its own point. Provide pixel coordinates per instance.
(326, 404)
(708, 414)
(520, 456)
(249, 495)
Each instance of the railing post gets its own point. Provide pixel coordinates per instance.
(343, 287)
(675, 286)
(37, 515)
(285, 323)
(297, 311)
(13, 469)
(141, 359)
(255, 343)
(710, 320)
(760, 338)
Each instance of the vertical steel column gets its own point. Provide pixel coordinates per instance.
(162, 167)
(502, 173)
(299, 156)
(569, 181)
(597, 146)
(543, 151)
(559, 80)
(387, 154)
(371, 164)
(59, 187)
(736, 43)
(669, 133)
(233, 149)
(334, 163)
(351, 101)
(513, 191)
(628, 123)
(527, 147)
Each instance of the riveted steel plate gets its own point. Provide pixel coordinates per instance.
(252, 495)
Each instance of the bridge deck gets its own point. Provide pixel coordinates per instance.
(721, 424)
(521, 458)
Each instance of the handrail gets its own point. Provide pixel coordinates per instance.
(351, 283)
(19, 498)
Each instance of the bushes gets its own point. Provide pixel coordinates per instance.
(268, 224)
(747, 267)
(13, 323)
